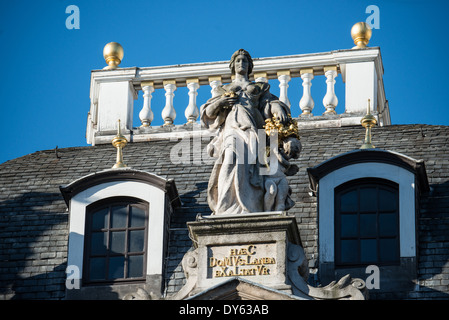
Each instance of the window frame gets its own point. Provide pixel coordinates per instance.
(407, 201)
(162, 196)
(356, 185)
(109, 203)
(408, 173)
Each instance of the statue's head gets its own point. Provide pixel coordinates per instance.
(248, 57)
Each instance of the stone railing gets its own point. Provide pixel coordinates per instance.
(113, 92)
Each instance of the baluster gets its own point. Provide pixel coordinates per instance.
(306, 103)
(192, 112)
(146, 115)
(215, 82)
(284, 77)
(169, 113)
(260, 77)
(330, 100)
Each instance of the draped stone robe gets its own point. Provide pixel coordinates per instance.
(236, 185)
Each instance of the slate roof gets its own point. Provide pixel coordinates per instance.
(34, 216)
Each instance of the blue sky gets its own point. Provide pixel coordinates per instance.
(44, 91)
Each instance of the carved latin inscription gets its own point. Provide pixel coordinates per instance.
(248, 260)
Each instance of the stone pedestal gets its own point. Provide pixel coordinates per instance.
(262, 248)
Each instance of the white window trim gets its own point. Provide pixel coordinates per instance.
(140, 190)
(327, 184)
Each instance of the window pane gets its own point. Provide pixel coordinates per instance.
(388, 224)
(348, 202)
(368, 199)
(135, 266)
(349, 251)
(100, 219)
(118, 242)
(97, 269)
(98, 243)
(389, 250)
(368, 250)
(348, 225)
(118, 216)
(137, 217)
(387, 200)
(116, 267)
(368, 226)
(136, 240)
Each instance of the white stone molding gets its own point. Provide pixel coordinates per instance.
(330, 100)
(113, 91)
(146, 115)
(115, 102)
(90, 131)
(361, 85)
(191, 111)
(169, 112)
(112, 96)
(284, 78)
(265, 64)
(306, 103)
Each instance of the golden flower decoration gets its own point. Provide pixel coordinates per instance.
(289, 129)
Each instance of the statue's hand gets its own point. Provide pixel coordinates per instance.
(223, 103)
(227, 102)
(278, 112)
(279, 116)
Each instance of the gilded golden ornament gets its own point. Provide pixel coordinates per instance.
(113, 54)
(119, 142)
(289, 129)
(230, 94)
(361, 34)
(368, 121)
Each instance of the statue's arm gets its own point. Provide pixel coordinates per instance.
(215, 105)
(279, 110)
(271, 106)
(214, 111)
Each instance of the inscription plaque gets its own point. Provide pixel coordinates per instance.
(241, 260)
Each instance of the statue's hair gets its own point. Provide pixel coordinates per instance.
(247, 55)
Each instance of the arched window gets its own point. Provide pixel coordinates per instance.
(367, 223)
(116, 241)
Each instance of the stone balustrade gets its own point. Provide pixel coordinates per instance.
(113, 92)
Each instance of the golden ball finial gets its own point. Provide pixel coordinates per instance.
(361, 34)
(113, 54)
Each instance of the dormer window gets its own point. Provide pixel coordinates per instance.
(118, 237)
(367, 208)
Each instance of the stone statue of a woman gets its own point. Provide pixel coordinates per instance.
(236, 184)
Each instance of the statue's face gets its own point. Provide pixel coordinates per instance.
(241, 64)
